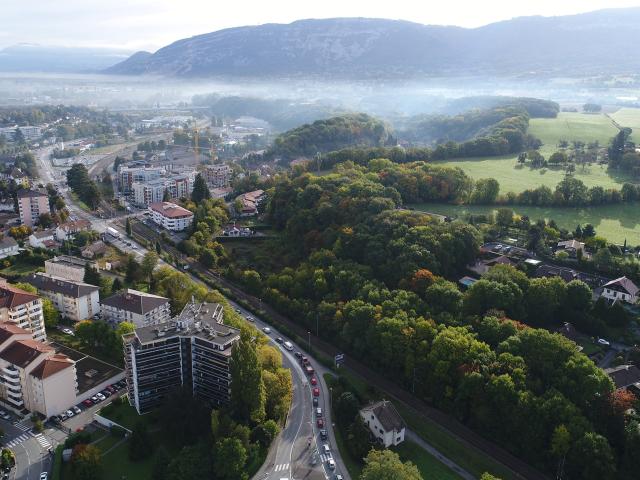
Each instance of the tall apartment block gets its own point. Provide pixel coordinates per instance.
(32, 204)
(22, 309)
(192, 350)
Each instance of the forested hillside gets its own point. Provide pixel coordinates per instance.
(332, 134)
(377, 279)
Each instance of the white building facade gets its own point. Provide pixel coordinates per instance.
(171, 216)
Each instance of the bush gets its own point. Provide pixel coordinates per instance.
(82, 437)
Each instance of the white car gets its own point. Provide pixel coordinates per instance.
(44, 476)
(266, 330)
(326, 448)
(68, 331)
(288, 346)
(101, 397)
(69, 413)
(604, 342)
(331, 464)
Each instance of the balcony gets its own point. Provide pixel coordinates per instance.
(14, 395)
(18, 403)
(11, 371)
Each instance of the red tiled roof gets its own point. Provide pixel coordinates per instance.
(8, 329)
(170, 210)
(52, 365)
(11, 296)
(23, 352)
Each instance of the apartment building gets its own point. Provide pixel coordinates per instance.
(171, 216)
(64, 266)
(74, 300)
(34, 378)
(177, 186)
(140, 308)
(29, 132)
(217, 176)
(22, 309)
(192, 350)
(68, 230)
(128, 175)
(32, 204)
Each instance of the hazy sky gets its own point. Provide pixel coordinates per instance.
(150, 24)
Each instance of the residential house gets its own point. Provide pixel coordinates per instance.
(94, 250)
(384, 422)
(64, 266)
(74, 300)
(22, 309)
(482, 266)
(170, 216)
(32, 204)
(250, 202)
(140, 308)
(625, 377)
(572, 247)
(8, 247)
(620, 289)
(34, 378)
(67, 231)
(192, 350)
(220, 192)
(43, 239)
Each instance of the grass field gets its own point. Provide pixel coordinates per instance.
(429, 466)
(614, 222)
(629, 117)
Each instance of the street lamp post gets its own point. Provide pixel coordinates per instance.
(309, 337)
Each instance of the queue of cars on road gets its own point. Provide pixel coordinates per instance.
(89, 402)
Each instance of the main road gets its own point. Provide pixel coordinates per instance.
(298, 452)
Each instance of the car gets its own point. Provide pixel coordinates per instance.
(95, 399)
(314, 381)
(54, 419)
(298, 355)
(506, 249)
(100, 397)
(44, 476)
(304, 360)
(67, 331)
(338, 477)
(251, 319)
(326, 449)
(106, 393)
(135, 247)
(237, 310)
(604, 342)
(320, 423)
(498, 247)
(69, 413)
(279, 340)
(315, 401)
(316, 392)
(309, 370)
(63, 416)
(318, 412)
(76, 410)
(6, 416)
(87, 403)
(323, 434)
(331, 464)
(266, 330)
(288, 346)
(111, 388)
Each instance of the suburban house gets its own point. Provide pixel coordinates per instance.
(233, 231)
(141, 309)
(620, 289)
(571, 247)
(94, 250)
(8, 247)
(43, 239)
(482, 266)
(68, 230)
(22, 309)
(250, 202)
(64, 266)
(625, 377)
(384, 422)
(170, 216)
(32, 204)
(74, 300)
(192, 350)
(34, 377)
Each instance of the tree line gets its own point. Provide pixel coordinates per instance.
(374, 279)
(80, 183)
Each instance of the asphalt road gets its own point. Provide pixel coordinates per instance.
(31, 449)
(298, 452)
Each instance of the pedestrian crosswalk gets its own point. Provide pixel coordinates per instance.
(20, 426)
(42, 440)
(324, 457)
(281, 467)
(18, 440)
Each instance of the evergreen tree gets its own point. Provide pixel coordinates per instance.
(134, 273)
(200, 189)
(247, 389)
(166, 196)
(158, 248)
(117, 285)
(91, 275)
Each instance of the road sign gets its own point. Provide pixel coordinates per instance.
(339, 359)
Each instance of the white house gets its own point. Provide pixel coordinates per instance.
(8, 247)
(170, 216)
(384, 422)
(74, 300)
(43, 239)
(620, 289)
(141, 309)
(67, 230)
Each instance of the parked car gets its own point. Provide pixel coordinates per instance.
(63, 416)
(67, 331)
(111, 388)
(316, 392)
(314, 381)
(6, 416)
(95, 399)
(100, 397)
(76, 410)
(69, 413)
(320, 423)
(323, 434)
(106, 393)
(266, 330)
(87, 403)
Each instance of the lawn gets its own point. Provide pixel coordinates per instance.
(614, 222)
(629, 117)
(429, 466)
(20, 268)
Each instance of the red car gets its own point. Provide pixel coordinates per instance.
(314, 381)
(87, 403)
(320, 423)
(316, 392)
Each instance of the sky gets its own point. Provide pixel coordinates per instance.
(151, 24)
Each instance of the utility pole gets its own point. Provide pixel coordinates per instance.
(309, 335)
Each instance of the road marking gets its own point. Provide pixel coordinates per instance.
(281, 467)
(20, 426)
(42, 440)
(17, 440)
